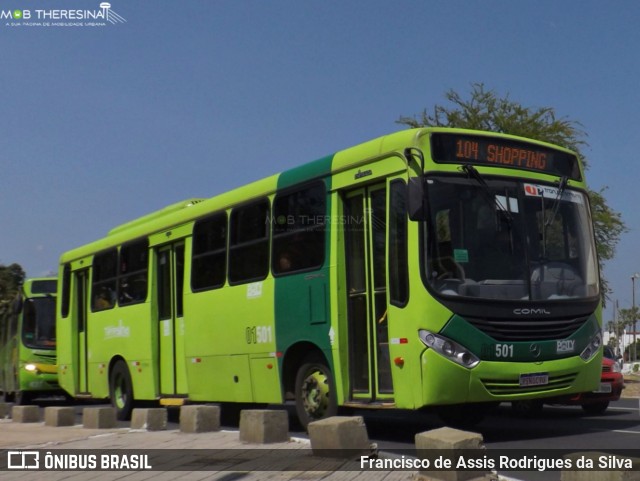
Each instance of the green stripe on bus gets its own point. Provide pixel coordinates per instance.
(312, 170)
(302, 302)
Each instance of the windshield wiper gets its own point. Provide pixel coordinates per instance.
(556, 202)
(562, 185)
(471, 171)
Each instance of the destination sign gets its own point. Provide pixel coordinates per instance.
(497, 152)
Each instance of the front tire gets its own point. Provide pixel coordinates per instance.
(530, 408)
(463, 416)
(315, 392)
(23, 398)
(595, 408)
(121, 391)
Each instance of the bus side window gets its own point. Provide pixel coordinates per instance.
(298, 230)
(29, 321)
(398, 270)
(66, 290)
(249, 242)
(209, 252)
(103, 288)
(134, 268)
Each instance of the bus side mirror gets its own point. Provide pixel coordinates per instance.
(416, 194)
(17, 305)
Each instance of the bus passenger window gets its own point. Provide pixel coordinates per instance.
(209, 266)
(298, 230)
(398, 239)
(103, 289)
(134, 268)
(249, 243)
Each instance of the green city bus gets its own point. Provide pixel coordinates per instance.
(28, 343)
(429, 267)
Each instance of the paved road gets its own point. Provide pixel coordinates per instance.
(221, 454)
(557, 427)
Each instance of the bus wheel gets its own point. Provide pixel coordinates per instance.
(121, 391)
(23, 398)
(596, 408)
(315, 394)
(528, 408)
(463, 415)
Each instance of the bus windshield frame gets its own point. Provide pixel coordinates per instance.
(507, 239)
(39, 323)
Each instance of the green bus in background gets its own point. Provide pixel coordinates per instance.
(429, 267)
(28, 343)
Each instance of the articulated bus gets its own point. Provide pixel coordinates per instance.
(429, 267)
(28, 343)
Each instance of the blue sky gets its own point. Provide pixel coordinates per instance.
(100, 125)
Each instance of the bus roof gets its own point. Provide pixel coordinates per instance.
(189, 210)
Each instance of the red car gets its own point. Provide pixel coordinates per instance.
(596, 402)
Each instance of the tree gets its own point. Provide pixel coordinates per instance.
(628, 319)
(485, 110)
(11, 277)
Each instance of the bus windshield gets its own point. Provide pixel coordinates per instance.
(39, 325)
(490, 238)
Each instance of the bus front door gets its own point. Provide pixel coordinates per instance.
(170, 282)
(366, 245)
(81, 308)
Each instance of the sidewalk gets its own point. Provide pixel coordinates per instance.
(17, 436)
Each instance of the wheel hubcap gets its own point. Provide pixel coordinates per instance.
(315, 394)
(120, 396)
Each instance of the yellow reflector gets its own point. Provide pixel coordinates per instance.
(172, 401)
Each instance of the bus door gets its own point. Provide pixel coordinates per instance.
(365, 245)
(170, 282)
(81, 309)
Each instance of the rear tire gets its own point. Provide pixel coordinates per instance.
(315, 391)
(121, 391)
(596, 408)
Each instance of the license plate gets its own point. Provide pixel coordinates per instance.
(605, 388)
(534, 379)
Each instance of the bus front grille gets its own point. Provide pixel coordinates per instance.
(505, 387)
(514, 329)
(44, 358)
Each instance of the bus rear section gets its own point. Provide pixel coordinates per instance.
(28, 343)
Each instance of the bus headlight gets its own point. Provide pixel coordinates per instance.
(592, 348)
(449, 349)
(31, 367)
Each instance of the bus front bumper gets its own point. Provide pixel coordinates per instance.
(39, 377)
(445, 382)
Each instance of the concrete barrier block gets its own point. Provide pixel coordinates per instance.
(59, 416)
(339, 436)
(5, 410)
(260, 426)
(99, 418)
(453, 440)
(449, 438)
(199, 419)
(25, 414)
(618, 468)
(153, 419)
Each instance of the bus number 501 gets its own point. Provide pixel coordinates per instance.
(258, 334)
(504, 350)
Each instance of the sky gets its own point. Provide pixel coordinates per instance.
(181, 99)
